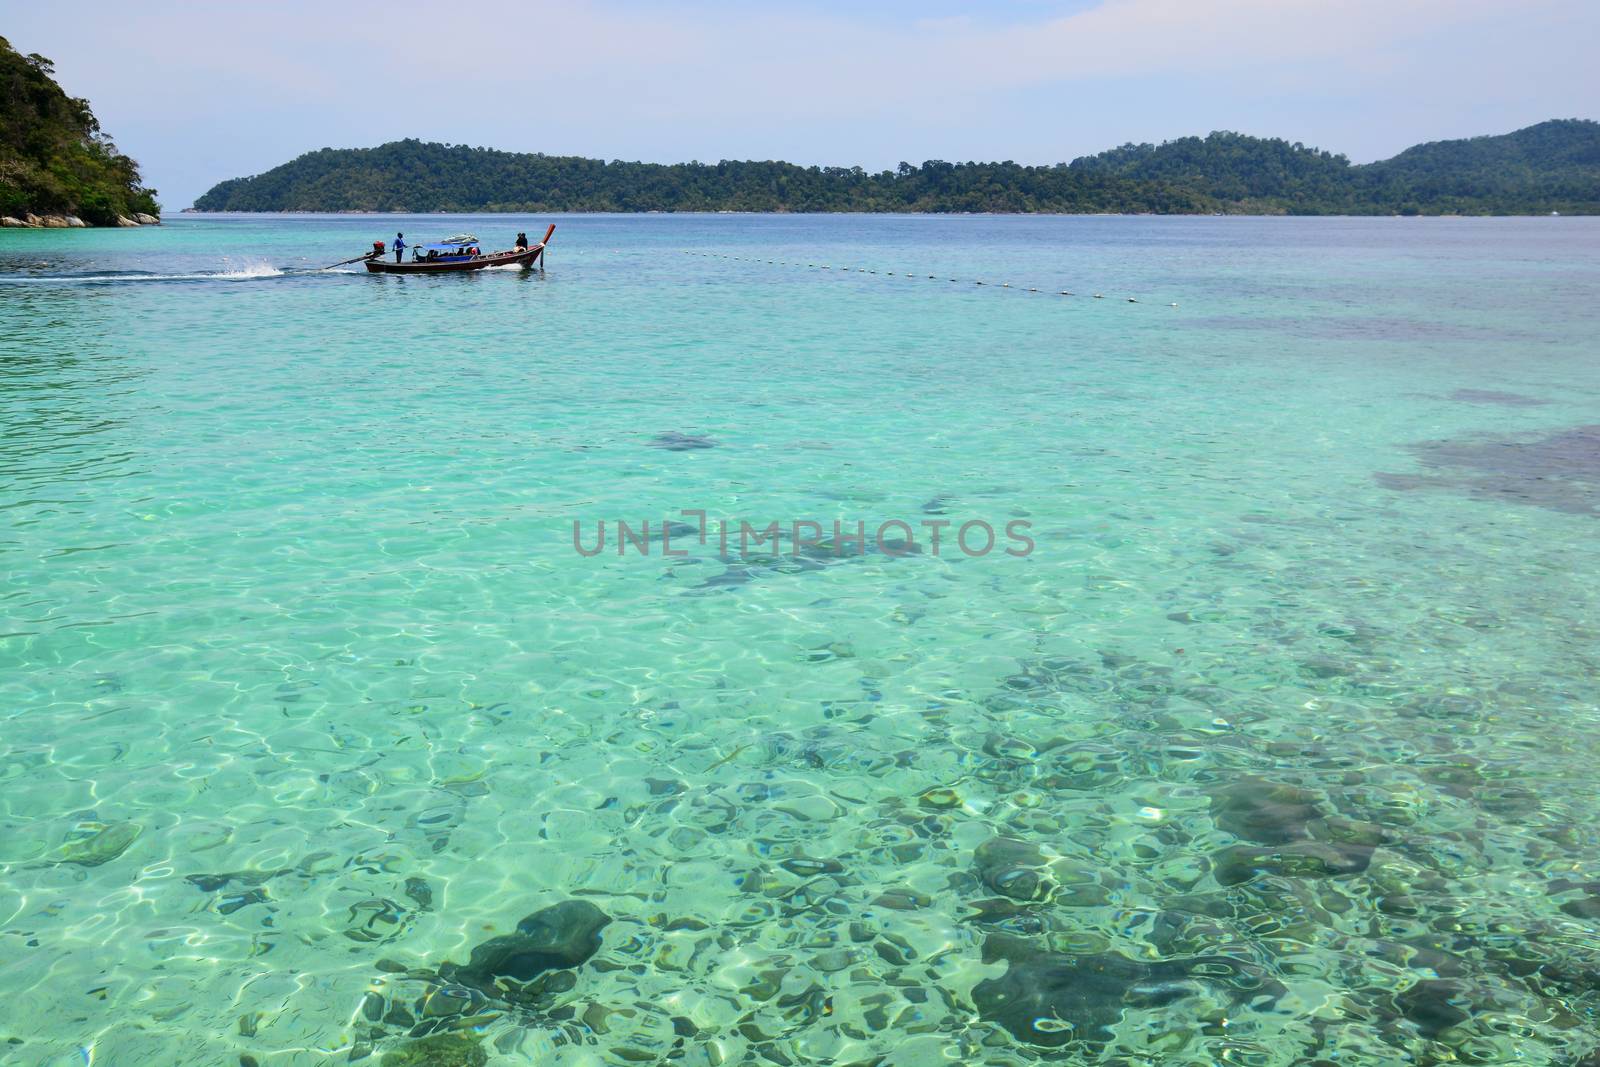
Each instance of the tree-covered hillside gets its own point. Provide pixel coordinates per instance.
(418, 176)
(54, 158)
(1554, 166)
(1268, 176)
(1549, 167)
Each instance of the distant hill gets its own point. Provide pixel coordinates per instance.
(1554, 166)
(54, 158)
(1237, 171)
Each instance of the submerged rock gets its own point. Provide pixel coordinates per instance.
(1303, 859)
(100, 843)
(1267, 813)
(1085, 768)
(210, 883)
(784, 555)
(806, 867)
(673, 441)
(903, 898)
(1491, 396)
(1584, 907)
(940, 798)
(1052, 998)
(230, 903)
(515, 976)
(1012, 868)
(561, 936)
(420, 891)
(1560, 471)
(376, 920)
(1429, 1005)
(439, 1050)
(1298, 839)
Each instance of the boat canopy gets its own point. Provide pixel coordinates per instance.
(458, 239)
(448, 249)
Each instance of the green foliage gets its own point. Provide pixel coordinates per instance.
(423, 177)
(54, 158)
(1243, 173)
(1551, 167)
(1554, 166)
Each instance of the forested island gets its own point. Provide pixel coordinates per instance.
(57, 167)
(1551, 167)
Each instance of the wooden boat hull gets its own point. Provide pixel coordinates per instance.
(524, 259)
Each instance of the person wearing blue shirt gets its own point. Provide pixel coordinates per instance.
(399, 246)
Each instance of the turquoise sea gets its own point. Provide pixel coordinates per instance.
(322, 743)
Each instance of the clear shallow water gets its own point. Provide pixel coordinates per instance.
(1277, 748)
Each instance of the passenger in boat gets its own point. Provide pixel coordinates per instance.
(433, 254)
(522, 242)
(399, 246)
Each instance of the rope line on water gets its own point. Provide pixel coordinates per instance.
(908, 275)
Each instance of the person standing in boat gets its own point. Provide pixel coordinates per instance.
(522, 242)
(399, 246)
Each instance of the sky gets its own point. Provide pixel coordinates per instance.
(199, 92)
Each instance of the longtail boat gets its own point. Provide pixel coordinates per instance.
(457, 254)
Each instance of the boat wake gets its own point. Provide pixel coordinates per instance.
(249, 273)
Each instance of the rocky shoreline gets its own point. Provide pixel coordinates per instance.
(30, 221)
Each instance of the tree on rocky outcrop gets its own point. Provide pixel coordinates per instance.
(54, 157)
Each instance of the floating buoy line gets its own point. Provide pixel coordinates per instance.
(914, 277)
